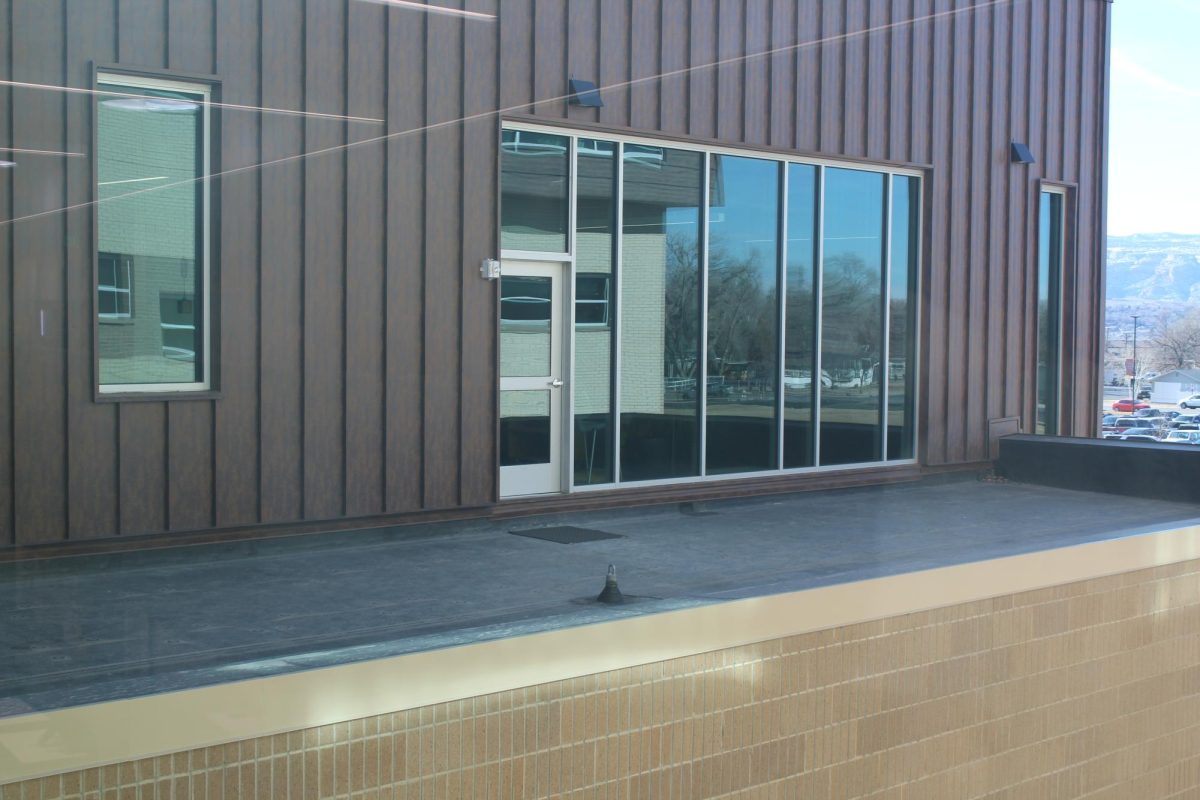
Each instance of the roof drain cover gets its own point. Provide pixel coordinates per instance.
(565, 534)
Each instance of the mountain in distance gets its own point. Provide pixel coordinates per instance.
(1154, 269)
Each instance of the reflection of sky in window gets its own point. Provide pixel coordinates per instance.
(800, 223)
(854, 215)
(745, 224)
(900, 236)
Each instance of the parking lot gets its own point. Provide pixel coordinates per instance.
(1147, 421)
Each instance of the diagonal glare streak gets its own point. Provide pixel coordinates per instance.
(518, 107)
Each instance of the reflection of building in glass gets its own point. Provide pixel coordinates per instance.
(147, 237)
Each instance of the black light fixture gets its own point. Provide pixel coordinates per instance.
(584, 93)
(1021, 154)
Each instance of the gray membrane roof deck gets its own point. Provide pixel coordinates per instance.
(85, 629)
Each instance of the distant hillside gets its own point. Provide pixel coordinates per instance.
(1151, 268)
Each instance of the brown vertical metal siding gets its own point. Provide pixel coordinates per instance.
(356, 342)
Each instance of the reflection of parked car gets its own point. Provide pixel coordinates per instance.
(795, 379)
(1125, 405)
(1190, 402)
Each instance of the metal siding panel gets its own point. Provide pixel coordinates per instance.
(39, 435)
(856, 92)
(998, 267)
(142, 38)
(189, 465)
(901, 83)
(365, 261)
(644, 65)
(236, 440)
(614, 61)
(783, 75)
(281, 330)
(405, 274)
(324, 261)
(978, 366)
(756, 73)
(880, 76)
(480, 152)
(809, 60)
(190, 26)
(676, 50)
(443, 259)
(550, 58)
(731, 74)
(959, 261)
(921, 103)
(583, 52)
(516, 53)
(937, 234)
(1017, 128)
(702, 79)
(1037, 142)
(833, 65)
(91, 426)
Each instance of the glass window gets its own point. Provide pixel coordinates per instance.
(743, 315)
(152, 216)
(800, 316)
(852, 317)
(533, 191)
(595, 228)
(902, 293)
(660, 316)
(525, 319)
(1049, 286)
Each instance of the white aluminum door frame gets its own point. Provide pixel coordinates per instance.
(536, 479)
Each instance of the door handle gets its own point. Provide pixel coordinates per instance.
(556, 383)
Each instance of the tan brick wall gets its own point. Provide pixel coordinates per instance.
(1087, 690)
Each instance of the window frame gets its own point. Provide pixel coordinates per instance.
(121, 263)
(1059, 312)
(605, 303)
(206, 87)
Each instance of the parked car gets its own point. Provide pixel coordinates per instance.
(1125, 423)
(1136, 437)
(1185, 422)
(1149, 413)
(1190, 402)
(1183, 437)
(1144, 394)
(1125, 405)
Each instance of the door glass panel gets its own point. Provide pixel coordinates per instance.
(524, 428)
(743, 314)
(852, 317)
(595, 311)
(660, 317)
(533, 191)
(800, 336)
(902, 286)
(525, 335)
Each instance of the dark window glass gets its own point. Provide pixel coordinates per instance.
(149, 156)
(902, 291)
(660, 317)
(533, 191)
(800, 334)
(852, 317)
(524, 428)
(1049, 286)
(743, 315)
(595, 219)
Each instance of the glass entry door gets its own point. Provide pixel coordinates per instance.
(531, 378)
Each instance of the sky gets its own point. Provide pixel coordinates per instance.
(1154, 117)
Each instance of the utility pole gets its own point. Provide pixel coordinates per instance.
(1134, 380)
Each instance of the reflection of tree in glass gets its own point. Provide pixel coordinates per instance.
(851, 336)
(741, 317)
(682, 305)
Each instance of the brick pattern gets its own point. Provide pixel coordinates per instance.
(1087, 690)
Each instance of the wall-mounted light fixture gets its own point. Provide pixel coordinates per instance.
(584, 93)
(489, 268)
(1019, 153)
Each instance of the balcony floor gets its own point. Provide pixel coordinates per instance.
(86, 629)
